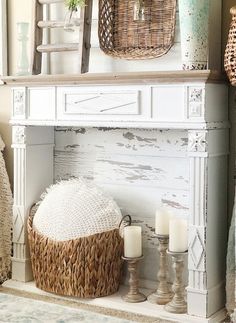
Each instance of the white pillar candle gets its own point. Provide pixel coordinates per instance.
(132, 241)
(178, 240)
(162, 222)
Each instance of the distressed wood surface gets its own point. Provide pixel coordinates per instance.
(164, 77)
(81, 45)
(51, 24)
(51, 48)
(85, 36)
(37, 37)
(136, 167)
(3, 37)
(49, 1)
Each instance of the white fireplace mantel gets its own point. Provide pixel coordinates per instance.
(193, 101)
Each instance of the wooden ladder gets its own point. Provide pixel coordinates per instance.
(40, 22)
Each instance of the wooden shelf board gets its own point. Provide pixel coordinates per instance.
(205, 76)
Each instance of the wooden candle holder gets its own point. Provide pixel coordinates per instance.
(163, 294)
(177, 304)
(134, 295)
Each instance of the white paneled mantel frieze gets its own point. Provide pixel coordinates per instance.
(191, 107)
(152, 102)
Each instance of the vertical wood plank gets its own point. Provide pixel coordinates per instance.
(46, 40)
(37, 37)
(84, 36)
(3, 38)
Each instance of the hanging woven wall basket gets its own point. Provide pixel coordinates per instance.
(230, 52)
(136, 29)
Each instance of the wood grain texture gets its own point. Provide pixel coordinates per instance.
(3, 37)
(206, 76)
(83, 47)
(51, 24)
(51, 48)
(84, 36)
(37, 37)
(49, 1)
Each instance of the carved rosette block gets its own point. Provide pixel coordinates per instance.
(197, 141)
(19, 99)
(163, 294)
(134, 295)
(178, 304)
(196, 98)
(19, 135)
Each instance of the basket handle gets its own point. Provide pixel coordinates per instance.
(125, 222)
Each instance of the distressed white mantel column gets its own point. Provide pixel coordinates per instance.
(207, 150)
(33, 171)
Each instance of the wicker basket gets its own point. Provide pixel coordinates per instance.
(230, 52)
(85, 267)
(123, 37)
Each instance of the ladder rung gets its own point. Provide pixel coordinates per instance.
(58, 48)
(49, 1)
(52, 24)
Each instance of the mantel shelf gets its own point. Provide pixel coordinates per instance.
(204, 76)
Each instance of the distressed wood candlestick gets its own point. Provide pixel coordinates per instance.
(177, 304)
(134, 295)
(163, 294)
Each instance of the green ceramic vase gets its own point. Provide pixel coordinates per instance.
(194, 26)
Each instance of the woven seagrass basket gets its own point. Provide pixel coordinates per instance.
(230, 52)
(86, 267)
(121, 35)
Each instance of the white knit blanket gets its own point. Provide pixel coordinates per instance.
(5, 219)
(230, 277)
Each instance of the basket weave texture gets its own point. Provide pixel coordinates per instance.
(230, 52)
(86, 267)
(123, 37)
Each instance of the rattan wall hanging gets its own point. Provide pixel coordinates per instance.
(230, 52)
(136, 29)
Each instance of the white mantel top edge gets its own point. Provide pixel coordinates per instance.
(203, 76)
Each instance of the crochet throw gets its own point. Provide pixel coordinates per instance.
(230, 277)
(6, 202)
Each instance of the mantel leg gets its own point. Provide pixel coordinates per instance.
(33, 172)
(208, 221)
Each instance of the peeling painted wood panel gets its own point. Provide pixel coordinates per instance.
(141, 169)
(123, 169)
(124, 141)
(135, 166)
(95, 154)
